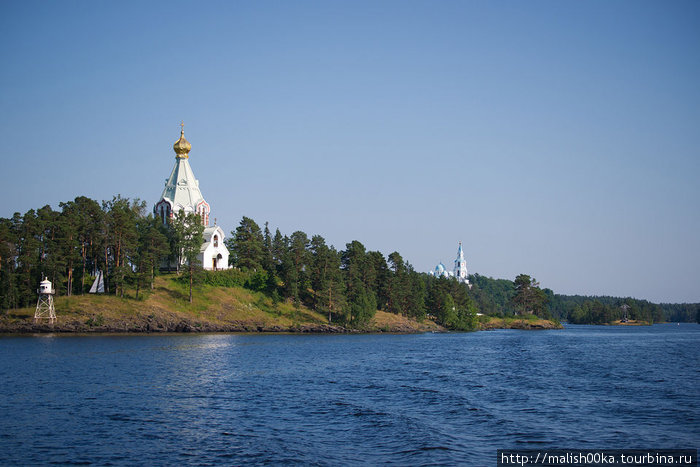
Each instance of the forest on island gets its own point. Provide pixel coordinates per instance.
(123, 240)
(579, 309)
(495, 297)
(120, 238)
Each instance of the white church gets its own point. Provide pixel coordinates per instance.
(182, 193)
(459, 271)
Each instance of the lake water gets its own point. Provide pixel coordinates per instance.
(346, 399)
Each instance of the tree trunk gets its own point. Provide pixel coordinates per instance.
(330, 301)
(138, 283)
(70, 279)
(106, 274)
(82, 278)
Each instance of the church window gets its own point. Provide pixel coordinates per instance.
(216, 240)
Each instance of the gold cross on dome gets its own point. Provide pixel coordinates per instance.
(182, 125)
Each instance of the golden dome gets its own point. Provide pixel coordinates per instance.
(182, 147)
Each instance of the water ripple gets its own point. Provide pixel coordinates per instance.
(345, 400)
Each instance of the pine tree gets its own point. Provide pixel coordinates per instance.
(152, 246)
(51, 260)
(416, 299)
(191, 229)
(326, 279)
(68, 241)
(528, 298)
(268, 263)
(28, 232)
(398, 285)
(279, 247)
(8, 260)
(289, 276)
(380, 272)
(246, 245)
(298, 249)
(122, 238)
(361, 303)
(90, 227)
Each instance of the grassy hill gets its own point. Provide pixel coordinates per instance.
(214, 309)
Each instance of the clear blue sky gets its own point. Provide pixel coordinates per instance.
(556, 139)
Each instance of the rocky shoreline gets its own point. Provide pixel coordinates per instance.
(178, 324)
(153, 326)
(524, 326)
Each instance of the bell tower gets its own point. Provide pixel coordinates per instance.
(460, 270)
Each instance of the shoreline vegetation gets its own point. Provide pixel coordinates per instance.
(276, 282)
(218, 309)
(630, 322)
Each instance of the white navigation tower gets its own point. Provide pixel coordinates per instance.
(44, 306)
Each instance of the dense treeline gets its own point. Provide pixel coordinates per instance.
(129, 246)
(502, 297)
(596, 312)
(681, 312)
(69, 247)
(348, 285)
(119, 238)
(492, 296)
(581, 309)
(495, 297)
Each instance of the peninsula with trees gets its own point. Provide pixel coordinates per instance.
(171, 270)
(277, 283)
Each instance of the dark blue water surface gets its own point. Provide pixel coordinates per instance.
(346, 399)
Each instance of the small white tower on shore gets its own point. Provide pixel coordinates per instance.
(44, 306)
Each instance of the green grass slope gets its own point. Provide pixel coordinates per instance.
(214, 309)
